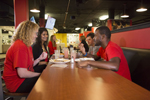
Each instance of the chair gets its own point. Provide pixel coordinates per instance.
(4, 93)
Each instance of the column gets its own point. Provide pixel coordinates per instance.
(42, 15)
(111, 12)
(21, 12)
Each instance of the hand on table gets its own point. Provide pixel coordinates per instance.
(83, 64)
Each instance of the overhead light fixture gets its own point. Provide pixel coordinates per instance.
(90, 24)
(142, 9)
(78, 28)
(104, 17)
(124, 14)
(35, 10)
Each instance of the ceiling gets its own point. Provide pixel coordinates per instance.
(83, 12)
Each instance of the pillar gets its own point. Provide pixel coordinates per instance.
(21, 11)
(111, 12)
(41, 16)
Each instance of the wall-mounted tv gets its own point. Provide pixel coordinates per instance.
(50, 23)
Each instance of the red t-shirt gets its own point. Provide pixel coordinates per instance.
(51, 48)
(18, 55)
(113, 50)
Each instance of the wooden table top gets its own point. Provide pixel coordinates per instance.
(72, 83)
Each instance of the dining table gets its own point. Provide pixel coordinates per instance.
(73, 83)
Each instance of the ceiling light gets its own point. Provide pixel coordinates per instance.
(103, 17)
(90, 24)
(35, 10)
(77, 28)
(124, 15)
(141, 10)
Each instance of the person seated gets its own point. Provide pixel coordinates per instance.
(18, 74)
(92, 48)
(111, 53)
(52, 45)
(83, 43)
(39, 47)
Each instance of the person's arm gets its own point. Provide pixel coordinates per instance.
(112, 64)
(24, 73)
(42, 56)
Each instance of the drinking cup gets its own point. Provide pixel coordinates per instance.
(73, 54)
(57, 54)
(65, 52)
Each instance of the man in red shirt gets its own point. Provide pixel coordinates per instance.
(111, 54)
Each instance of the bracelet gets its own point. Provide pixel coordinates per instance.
(85, 54)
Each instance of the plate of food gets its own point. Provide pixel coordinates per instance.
(59, 61)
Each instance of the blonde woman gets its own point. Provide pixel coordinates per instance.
(52, 45)
(19, 75)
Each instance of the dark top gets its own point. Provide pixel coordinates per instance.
(37, 50)
(85, 45)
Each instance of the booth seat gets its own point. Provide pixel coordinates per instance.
(139, 65)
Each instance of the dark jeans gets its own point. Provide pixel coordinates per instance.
(27, 85)
(39, 68)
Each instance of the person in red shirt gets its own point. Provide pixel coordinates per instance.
(52, 45)
(111, 54)
(19, 75)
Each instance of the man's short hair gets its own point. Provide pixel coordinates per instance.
(91, 35)
(104, 30)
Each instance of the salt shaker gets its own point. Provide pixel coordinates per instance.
(72, 59)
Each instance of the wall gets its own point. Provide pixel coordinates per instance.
(62, 37)
(139, 38)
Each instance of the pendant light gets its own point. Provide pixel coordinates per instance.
(35, 10)
(142, 9)
(124, 14)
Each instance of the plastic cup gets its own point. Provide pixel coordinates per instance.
(57, 54)
(73, 54)
(65, 52)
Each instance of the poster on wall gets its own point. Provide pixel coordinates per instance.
(118, 24)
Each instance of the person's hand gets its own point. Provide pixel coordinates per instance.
(43, 56)
(83, 64)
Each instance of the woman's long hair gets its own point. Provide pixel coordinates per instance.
(53, 42)
(24, 32)
(38, 39)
